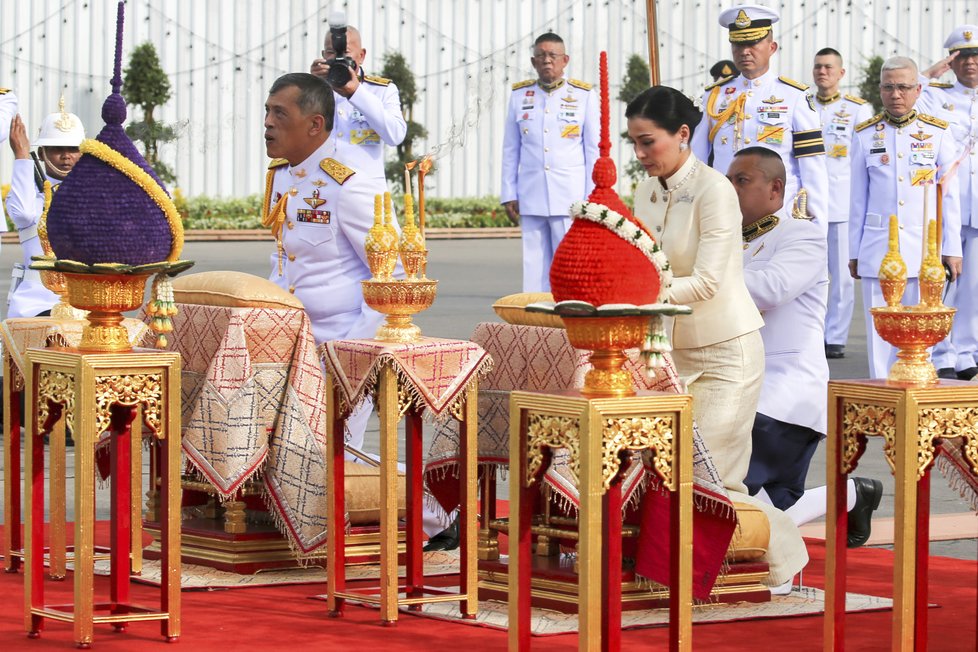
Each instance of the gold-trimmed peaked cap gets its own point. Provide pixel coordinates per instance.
(963, 39)
(748, 24)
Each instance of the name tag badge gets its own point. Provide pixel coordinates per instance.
(364, 137)
(923, 176)
(838, 151)
(527, 107)
(770, 135)
(839, 128)
(922, 158)
(567, 116)
(356, 116)
(312, 216)
(878, 150)
(570, 131)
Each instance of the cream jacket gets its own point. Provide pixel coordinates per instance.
(698, 226)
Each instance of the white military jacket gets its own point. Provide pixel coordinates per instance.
(891, 166)
(773, 112)
(959, 103)
(25, 203)
(328, 209)
(366, 121)
(785, 273)
(550, 144)
(839, 117)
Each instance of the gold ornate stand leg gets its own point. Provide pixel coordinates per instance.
(58, 502)
(469, 580)
(905, 523)
(234, 517)
(135, 491)
(389, 416)
(84, 432)
(590, 530)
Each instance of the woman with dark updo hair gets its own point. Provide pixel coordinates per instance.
(693, 212)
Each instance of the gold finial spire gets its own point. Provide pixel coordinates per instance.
(412, 245)
(893, 271)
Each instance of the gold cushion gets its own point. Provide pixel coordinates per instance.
(362, 485)
(232, 290)
(753, 533)
(511, 309)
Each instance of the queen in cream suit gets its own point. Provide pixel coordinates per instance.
(692, 210)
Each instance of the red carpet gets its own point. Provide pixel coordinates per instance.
(283, 618)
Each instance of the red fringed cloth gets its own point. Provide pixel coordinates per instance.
(534, 358)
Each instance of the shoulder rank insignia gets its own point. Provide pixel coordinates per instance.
(854, 99)
(792, 82)
(339, 172)
(4, 91)
(380, 81)
(719, 82)
(277, 163)
(523, 84)
(940, 85)
(577, 83)
(811, 102)
(869, 123)
(931, 120)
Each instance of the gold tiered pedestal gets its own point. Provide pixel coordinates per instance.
(95, 393)
(598, 433)
(913, 330)
(106, 297)
(607, 338)
(399, 300)
(909, 419)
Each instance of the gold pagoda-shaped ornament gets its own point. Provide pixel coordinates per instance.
(412, 247)
(381, 243)
(893, 271)
(931, 274)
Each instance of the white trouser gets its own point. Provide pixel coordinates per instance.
(541, 235)
(838, 315)
(964, 296)
(814, 503)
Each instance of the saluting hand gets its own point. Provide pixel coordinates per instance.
(19, 142)
(940, 67)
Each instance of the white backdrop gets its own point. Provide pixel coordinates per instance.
(222, 55)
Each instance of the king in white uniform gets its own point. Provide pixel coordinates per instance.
(895, 156)
(761, 108)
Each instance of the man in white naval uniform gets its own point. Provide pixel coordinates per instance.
(959, 102)
(550, 144)
(367, 114)
(785, 273)
(838, 114)
(761, 108)
(895, 156)
(57, 146)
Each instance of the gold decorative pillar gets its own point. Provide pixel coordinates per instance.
(598, 434)
(909, 418)
(99, 392)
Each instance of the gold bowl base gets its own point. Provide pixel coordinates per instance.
(912, 330)
(105, 297)
(607, 338)
(399, 300)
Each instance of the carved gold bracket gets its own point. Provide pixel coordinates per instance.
(550, 431)
(55, 387)
(946, 422)
(145, 390)
(861, 420)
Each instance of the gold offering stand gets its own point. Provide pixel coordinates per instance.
(600, 426)
(399, 300)
(911, 410)
(101, 387)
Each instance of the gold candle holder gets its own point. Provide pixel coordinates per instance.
(607, 338)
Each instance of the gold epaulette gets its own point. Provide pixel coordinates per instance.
(792, 82)
(940, 85)
(854, 99)
(339, 172)
(277, 163)
(719, 82)
(577, 83)
(931, 120)
(380, 81)
(869, 123)
(4, 91)
(523, 84)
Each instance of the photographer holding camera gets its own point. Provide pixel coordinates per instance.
(368, 108)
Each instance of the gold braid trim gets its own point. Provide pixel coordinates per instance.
(274, 218)
(736, 108)
(147, 183)
(42, 224)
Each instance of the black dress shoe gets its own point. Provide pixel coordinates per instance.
(868, 495)
(835, 351)
(967, 374)
(947, 373)
(447, 539)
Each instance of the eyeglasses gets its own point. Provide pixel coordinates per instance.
(903, 89)
(547, 56)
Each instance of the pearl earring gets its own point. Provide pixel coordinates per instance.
(683, 146)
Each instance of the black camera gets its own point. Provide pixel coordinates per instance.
(341, 66)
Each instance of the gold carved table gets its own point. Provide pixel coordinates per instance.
(911, 421)
(433, 376)
(19, 335)
(95, 393)
(600, 434)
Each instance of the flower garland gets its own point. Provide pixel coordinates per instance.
(656, 344)
(632, 233)
(148, 184)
